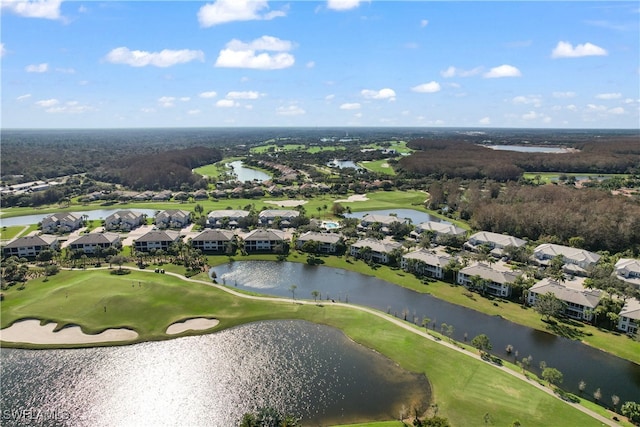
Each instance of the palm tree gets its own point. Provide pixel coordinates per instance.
(315, 295)
(293, 288)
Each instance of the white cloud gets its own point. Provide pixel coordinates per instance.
(535, 100)
(148, 110)
(37, 68)
(350, 106)
(617, 111)
(23, 97)
(563, 95)
(609, 96)
(71, 107)
(223, 11)
(243, 95)
(452, 71)
(3, 50)
(291, 110)
(531, 115)
(185, 99)
(502, 71)
(430, 87)
(66, 70)
(424, 23)
(46, 103)
(566, 50)
(385, 93)
(238, 54)
(164, 58)
(329, 97)
(209, 94)
(484, 121)
(193, 112)
(227, 103)
(166, 101)
(572, 107)
(343, 4)
(310, 64)
(47, 9)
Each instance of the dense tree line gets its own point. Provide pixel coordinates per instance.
(468, 160)
(165, 170)
(556, 214)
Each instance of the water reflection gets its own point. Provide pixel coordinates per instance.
(243, 173)
(415, 216)
(576, 361)
(211, 380)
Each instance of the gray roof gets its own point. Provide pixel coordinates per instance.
(624, 266)
(493, 274)
(497, 239)
(228, 213)
(320, 237)
(428, 257)
(441, 228)
(173, 213)
(96, 238)
(265, 235)
(579, 255)
(381, 219)
(631, 309)
(569, 291)
(28, 241)
(60, 217)
(213, 236)
(282, 213)
(126, 214)
(159, 236)
(377, 245)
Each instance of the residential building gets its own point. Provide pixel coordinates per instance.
(227, 218)
(579, 259)
(379, 251)
(267, 216)
(628, 269)
(384, 220)
(440, 228)
(173, 218)
(89, 243)
(124, 220)
(156, 239)
(629, 320)
(265, 240)
(579, 301)
(424, 262)
(327, 242)
(495, 241)
(496, 280)
(61, 223)
(213, 240)
(31, 246)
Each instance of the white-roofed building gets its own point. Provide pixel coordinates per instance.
(226, 218)
(576, 257)
(629, 320)
(265, 240)
(89, 243)
(31, 246)
(496, 280)
(327, 242)
(628, 269)
(495, 241)
(440, 228)
(378, 250)
(579, 301)
(424, 262)
(61, 222)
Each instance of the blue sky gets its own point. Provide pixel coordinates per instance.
(545, 64)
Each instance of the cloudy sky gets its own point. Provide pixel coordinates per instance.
(545, 64)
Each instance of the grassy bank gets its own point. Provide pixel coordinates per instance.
(464, 388)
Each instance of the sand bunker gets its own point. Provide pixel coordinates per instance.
(197, 324)
(286, 203)
(31, 332)
(354, 198)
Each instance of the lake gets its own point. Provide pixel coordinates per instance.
(343, 164)
(530, 148)
(244, 173)
(575, 360)
(298, 367)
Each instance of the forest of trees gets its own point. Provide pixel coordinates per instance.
(165, 170)
(464, 159)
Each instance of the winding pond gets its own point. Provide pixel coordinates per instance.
(244, 173)
(576, 361)
(297, 367)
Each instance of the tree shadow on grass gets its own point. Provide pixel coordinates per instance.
(565, 330)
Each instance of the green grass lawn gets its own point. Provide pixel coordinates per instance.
(378, 166)
(464, 388)
(13, 231)
(547, 177)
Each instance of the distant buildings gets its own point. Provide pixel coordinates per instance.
(124, 220)
(61, 223)
(31, 246)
